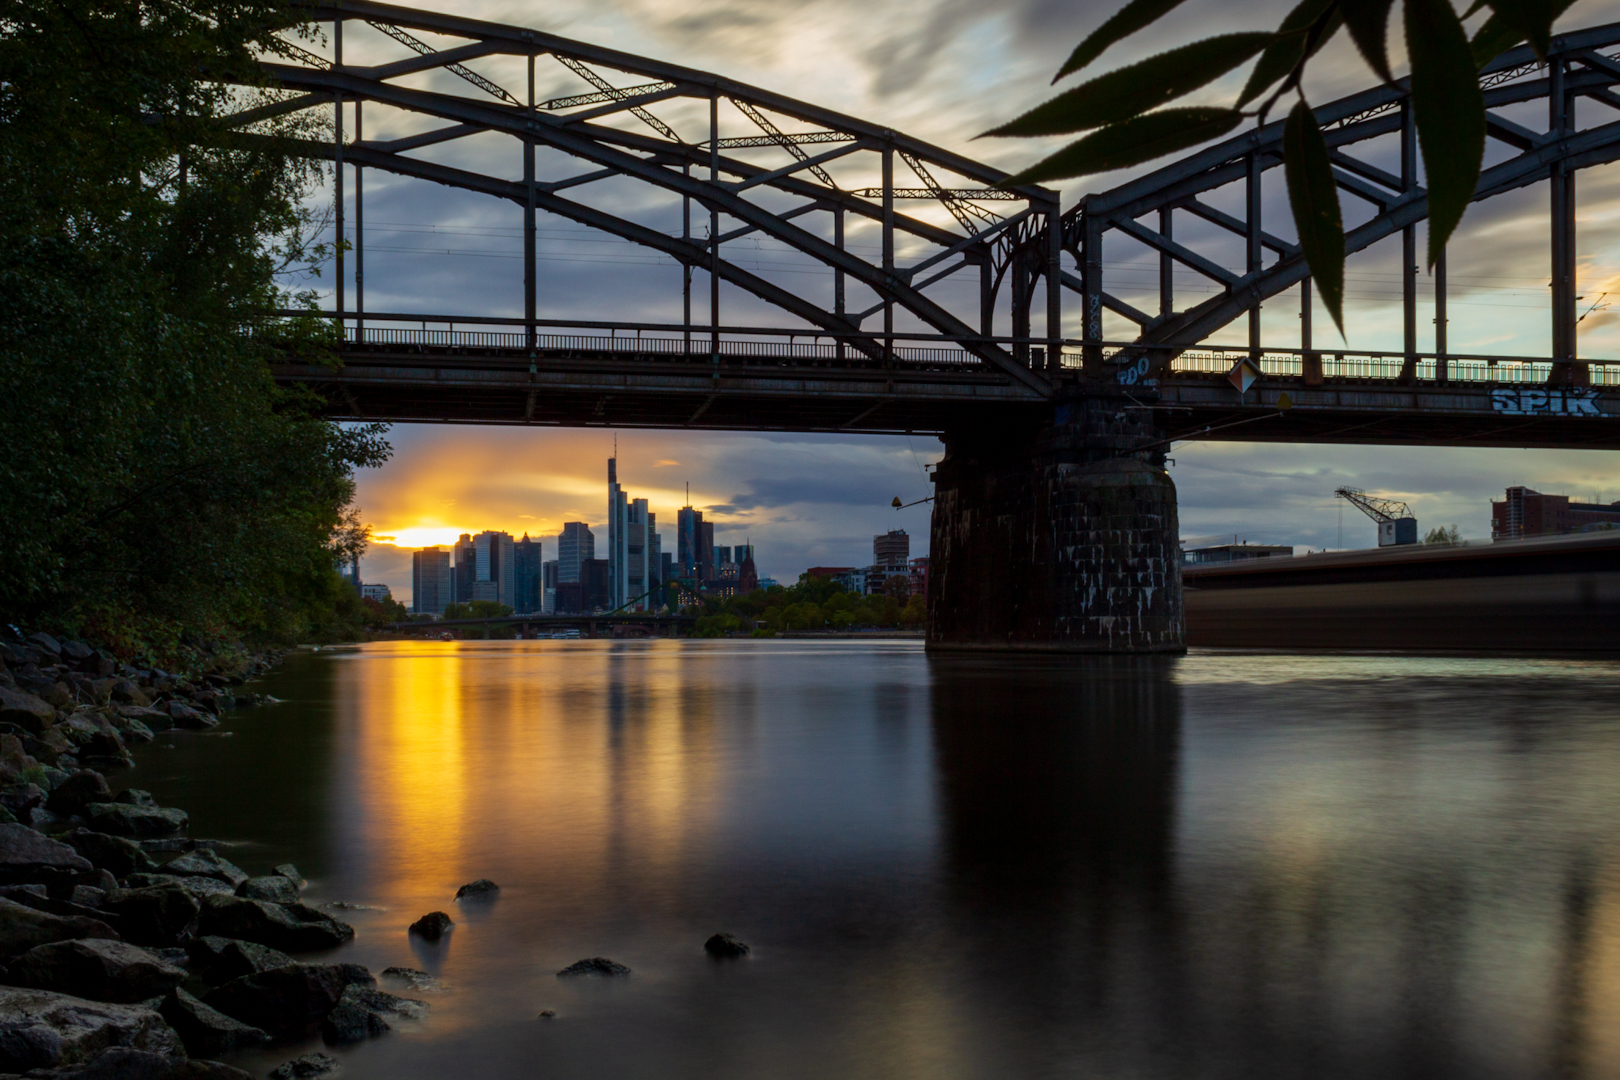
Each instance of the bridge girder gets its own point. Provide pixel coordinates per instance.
(581, 126)
(1574, 69)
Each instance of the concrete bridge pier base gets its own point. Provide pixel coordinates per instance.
(1057, 537)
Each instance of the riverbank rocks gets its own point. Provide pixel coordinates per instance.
(154, 720)
(290, 872)
(184, 716)
(726, 947)
(417, 980)
(156, 915)
(596, 965)
(41, 1029)
(482, 889)
(291, 928)
(30, 856)
(432, 926)
(122, 1063)
(140, 822)
(97, 969)
(28, 711)
(206, 1030)
(363, 1013)
(302, 1068)
(274, 888)
(199, 887)
(220, 960)
(78, 791)
(23, 928)
(288, 1001)
(207, 864)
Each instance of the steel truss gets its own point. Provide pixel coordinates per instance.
(694, 167)
(1145, 210)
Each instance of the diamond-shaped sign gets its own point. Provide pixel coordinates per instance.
(1243, 374)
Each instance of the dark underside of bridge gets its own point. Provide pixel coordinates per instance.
(857, 395)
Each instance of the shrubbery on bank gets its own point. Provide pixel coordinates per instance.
(157, 485)
(812, 604)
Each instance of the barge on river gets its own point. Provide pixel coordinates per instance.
(1547, 594)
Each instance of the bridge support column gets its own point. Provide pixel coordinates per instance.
(1060, 539)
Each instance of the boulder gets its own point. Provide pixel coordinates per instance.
(22, 928)
(76, 652)
(596, 965)
(39, 898)
(27, 855)
(20, 800)
(126, 819)
(185, 716)
(152, 719)
(97, 969)
(482, 889)
(206, 1030)
(351, 1023)
(207, 864)
(122, 1063)
(125, 692)
(78, 791)
(291, 928)
(220, 960)
(45, 643)
(275, 888)
(726, 947)
(135, 797)
(288, 1001)
(31, 713)
(304, 1067)
(432, 926)
(41, 1029)
(155, 915)
(115, 854)
(196, 886)
(416, 979)
(290, 872)
(384, 1002)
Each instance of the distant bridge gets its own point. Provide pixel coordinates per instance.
(591, 624)
(758, 164)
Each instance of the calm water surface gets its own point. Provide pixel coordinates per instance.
(1222, 865)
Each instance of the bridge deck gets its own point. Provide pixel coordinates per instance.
(584, 381)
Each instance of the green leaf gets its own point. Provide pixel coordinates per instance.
(1125, 22)
(1131, 142)
(1531, 20)
(1368, 21)
(1450, 113)
(1315, 199)
(1282, 55)
(1137, 88)
(1498, 34)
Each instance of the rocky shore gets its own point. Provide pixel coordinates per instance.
(127, 948)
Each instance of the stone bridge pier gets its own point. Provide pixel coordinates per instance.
(1059, 536)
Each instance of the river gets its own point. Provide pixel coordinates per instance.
(1219, 865)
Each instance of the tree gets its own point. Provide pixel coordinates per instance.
(1443, 535)
(157, 483)
(1122, 111)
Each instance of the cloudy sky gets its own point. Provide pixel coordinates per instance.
(942, 70)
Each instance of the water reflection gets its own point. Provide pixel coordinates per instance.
(1219, 866)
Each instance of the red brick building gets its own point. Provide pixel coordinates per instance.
(1530, 513)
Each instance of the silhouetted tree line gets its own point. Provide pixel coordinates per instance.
(812, 604)
(155, 482)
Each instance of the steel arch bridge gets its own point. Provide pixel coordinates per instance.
(941, 325)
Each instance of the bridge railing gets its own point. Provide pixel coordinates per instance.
(1341, 365)
(632, 345)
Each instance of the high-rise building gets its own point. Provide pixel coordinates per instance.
(689, 541)
(430, 581)
(574, 546)
(594, 583)
(495, 576)
(466, 569)
(741, 553)
(705, 555)
(632, 539)
(747, 574)
(548, 587)
(378, 592)
(891, 550)
(526, 562)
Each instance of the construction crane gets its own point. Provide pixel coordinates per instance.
(1396, 525)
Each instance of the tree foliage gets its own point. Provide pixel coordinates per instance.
(1121, 110)
(812, 604)
(155, 480)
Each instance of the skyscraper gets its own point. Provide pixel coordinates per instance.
(430, 581)
(526, 562)
(705, 554)
(466, 570)
(574, 546)
(891, 550)
(689, 541)
(632, 535)
(495, 575)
